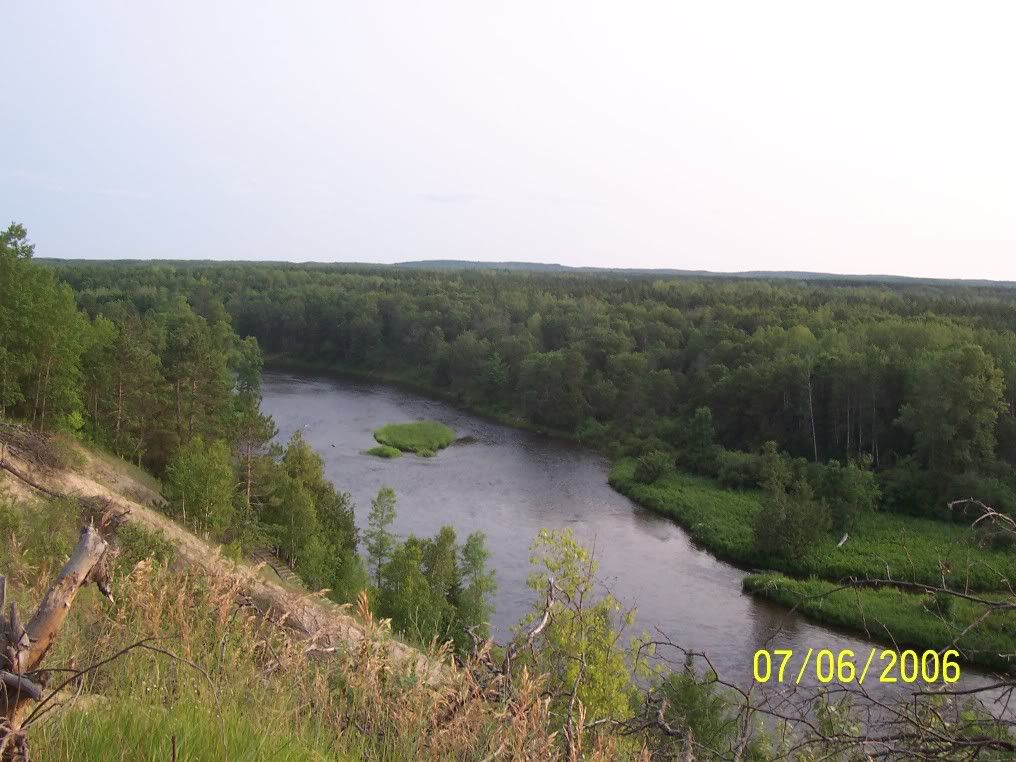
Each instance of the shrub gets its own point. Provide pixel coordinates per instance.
(737, 470)
(652, 466)
(907, 489)
(790, 523)
(592, 432)
(137, 543)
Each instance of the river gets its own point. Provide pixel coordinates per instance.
(509, 484)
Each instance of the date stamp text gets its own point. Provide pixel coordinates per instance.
(785, 666)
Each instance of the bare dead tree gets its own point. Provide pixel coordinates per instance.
(23, 647)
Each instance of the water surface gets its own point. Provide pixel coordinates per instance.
(509, 484)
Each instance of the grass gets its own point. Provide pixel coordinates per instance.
(896, 618)
(422, 437)
(228, 684)
(902, 547)
(145, 731)
(385, 451)
(125, 468)
(905, 547)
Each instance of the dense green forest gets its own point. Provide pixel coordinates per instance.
(914, 383)
(768, 417)
(828, 404)
(167, 383)
(817, 410)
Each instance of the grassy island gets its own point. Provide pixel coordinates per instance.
(422, 437)
(384, 451)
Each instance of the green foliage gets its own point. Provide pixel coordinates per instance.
(296, 510)
(384, 451)
(431, 589)
(850, 492)
(652, 466)
(905, 547)
(581, 645)
(291, 519)
(790, 520)
(700, 705)
(790, 523)
(129, 729)
(478, 584)
(379, 540)
(199, 485)
(422, 437)
(593, 433)
(696, 443)
(406, 595)
(551, 388)
(137, 544)
(956, 400)
(738, 470)
(904, 619)
(42, 337)
(831, 371)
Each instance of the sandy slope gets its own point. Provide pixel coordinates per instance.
(311, 615)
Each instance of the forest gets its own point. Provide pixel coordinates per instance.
(913, 385)
(818, 413)
(768, 417)
(176, 390)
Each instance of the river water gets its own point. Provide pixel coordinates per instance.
(509, 484)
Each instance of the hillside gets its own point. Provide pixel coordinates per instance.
(206, 609)
(94, 476)
(669, 272)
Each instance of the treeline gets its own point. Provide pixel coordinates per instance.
(914, 382)
(161, 378)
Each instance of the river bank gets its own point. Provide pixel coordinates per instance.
(883, 547)
(408, 382)
(510, 484)
(720, 521)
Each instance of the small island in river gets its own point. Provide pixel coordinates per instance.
(424, 438)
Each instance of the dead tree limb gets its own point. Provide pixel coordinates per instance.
(24, 647)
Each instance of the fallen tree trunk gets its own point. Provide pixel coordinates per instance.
(7, 466)
(24, 647)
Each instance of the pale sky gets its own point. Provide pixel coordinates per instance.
(852, 137)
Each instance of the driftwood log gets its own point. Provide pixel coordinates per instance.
(23, 647)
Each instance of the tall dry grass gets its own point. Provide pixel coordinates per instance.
(202, 670)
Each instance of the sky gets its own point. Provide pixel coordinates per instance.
(862, 137)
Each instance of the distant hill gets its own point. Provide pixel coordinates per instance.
(549, 267)
(463, 264)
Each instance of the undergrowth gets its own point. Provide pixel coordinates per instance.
(902, 547)
(212, 673)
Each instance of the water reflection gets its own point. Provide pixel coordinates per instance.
(510, 484)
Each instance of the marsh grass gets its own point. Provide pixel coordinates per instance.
(883, 545)
(424, 438)
(904, 547)
(385, 451)
(896, 618)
